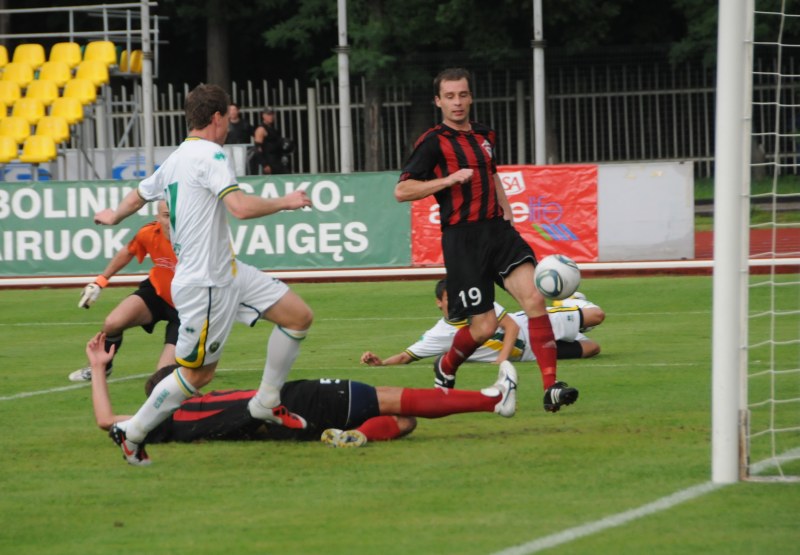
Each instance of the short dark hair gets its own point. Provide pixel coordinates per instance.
(202, 103)
(157, 376)
(268, 110)
(451, 74)
(441, 287)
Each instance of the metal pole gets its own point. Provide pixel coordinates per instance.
(520, 103)
(147, 92)
(540, 156)
(345, 122)
(313, 133)
(728, 263)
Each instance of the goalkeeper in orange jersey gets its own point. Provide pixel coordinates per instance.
(150, 303)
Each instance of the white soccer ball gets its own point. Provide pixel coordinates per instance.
(557, 276)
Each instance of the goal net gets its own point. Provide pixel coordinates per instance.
(765, 150)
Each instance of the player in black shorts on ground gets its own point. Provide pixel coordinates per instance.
(456, 162)
(341, 413)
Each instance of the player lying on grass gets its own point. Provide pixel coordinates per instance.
(569, 318)
(150, 303)
(341, 413)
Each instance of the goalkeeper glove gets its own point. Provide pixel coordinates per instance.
(92, 292)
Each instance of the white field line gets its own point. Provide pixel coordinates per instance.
(572, 534)
(424, 318)
(26, 394)
(613, 521)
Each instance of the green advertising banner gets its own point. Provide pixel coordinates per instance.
(46, 228)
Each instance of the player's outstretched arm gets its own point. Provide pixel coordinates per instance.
(245, 207)
(92, 290)
(510, 334)
(372, 359)
(101, 401)
(130, 204)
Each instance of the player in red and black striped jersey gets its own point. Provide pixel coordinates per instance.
(456, 162)
(375, 413)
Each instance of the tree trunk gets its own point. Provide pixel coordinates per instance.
(217, 70)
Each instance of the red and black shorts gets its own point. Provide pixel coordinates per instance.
(476, 256)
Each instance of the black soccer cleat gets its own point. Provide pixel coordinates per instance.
(440, 379)
(558, 395)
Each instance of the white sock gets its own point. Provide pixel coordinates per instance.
(282, 350)
(165, 399)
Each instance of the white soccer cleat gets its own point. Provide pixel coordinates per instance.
(506, 384)
(343, 438)
(84, 374)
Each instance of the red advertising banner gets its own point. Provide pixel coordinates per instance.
(555, 210)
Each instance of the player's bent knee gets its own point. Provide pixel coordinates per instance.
(406, 424)
(590, 349)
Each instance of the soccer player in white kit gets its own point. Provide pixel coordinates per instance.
(211, 288)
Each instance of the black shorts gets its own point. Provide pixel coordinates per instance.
(342, 404)
(476, 256)
(160, 310)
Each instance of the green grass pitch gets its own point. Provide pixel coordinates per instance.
(467, 484)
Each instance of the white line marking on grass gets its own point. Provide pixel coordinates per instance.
(26, 394)
(612, 521)
(663, 504)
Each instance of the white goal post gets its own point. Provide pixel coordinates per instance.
(756, 318)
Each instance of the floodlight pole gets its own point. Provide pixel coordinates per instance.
(540, 153)
(147, 92)
(345, 120)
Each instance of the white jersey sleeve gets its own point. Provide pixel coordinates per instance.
(437, 341)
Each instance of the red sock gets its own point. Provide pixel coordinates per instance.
(435, 403)
(543, 345)
(380, 428)
(463, 346)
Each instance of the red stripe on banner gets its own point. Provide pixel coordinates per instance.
(554, 207)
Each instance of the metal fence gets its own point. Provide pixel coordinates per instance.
(597, 113)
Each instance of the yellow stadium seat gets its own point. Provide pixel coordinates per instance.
(82, 89)
(9, 92)
(3, 109)
(42, 89)
(20, 73)
(31, 109)
(70, 108)
(9, 150)
(123, 62)
(29, 53)
(101, 50)
(55, 71)
(3, 56)
(93, 70)
(135, 64)
(17, 128)
(55, 127)
(38, 149)
(67, 52)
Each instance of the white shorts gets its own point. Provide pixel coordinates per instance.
(566, 322)
(207, 314)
